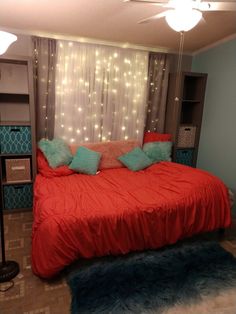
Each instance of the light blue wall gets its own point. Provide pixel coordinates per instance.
(217, 149)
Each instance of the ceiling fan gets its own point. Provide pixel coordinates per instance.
(183, 15)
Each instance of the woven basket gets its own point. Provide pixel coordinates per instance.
(186, 136)
(18, 170)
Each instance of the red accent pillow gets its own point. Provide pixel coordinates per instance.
(45, 170)
(156, 137)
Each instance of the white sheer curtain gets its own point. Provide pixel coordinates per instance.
(100, 92)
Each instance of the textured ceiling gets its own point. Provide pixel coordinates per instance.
(111, 20)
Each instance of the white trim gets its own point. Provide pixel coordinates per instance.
(89, 40)
(217, 43)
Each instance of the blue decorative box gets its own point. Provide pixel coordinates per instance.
(184, 156)
(15, 139)
(18, 196)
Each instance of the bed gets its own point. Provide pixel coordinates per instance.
(118, 211)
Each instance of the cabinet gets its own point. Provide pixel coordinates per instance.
(184, 115)
(17, 134)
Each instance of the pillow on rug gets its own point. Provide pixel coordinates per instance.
(158, 151)
(135, 160)
(85, 161)
(156, 137)
(57, 152)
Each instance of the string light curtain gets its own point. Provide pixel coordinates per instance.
(159, 68)
(100, 92)
(44, 59)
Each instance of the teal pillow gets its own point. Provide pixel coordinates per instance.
(85, 161)
(135, 160)
(57, 152)
(158, 151)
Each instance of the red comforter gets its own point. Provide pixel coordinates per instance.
(118, 211)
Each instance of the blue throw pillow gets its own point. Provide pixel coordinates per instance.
(85, 161)
(57, 152)
(158, 151)
(135, 160)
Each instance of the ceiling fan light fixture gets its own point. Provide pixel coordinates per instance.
(183, 20)
(6, 39)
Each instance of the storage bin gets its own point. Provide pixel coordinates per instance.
(186, 136)
(18, 170)
(18, 196)
(15, 140)
(184, 156)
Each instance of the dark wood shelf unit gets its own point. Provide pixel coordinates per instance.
(16, 83)
(185, 108)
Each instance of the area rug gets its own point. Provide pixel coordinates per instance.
(152, 281)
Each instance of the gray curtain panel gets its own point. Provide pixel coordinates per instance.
(44, 60)
(159, 68)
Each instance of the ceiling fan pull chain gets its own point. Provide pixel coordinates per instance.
(179, 66)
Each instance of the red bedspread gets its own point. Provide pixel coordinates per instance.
(118, 211)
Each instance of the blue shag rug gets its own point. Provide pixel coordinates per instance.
(152, 281)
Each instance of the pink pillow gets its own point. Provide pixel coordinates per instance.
(156, 137)
(110, 151)
(45, 170)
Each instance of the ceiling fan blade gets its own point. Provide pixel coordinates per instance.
(152, 18)
(217, 6)
(158, 2)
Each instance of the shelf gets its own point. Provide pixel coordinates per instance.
(13, 60)
(187, 124)
(14, 98)
(16, 155)
(15, 123)
(190, 100)
(4, 182)
(16, 210)
(185, 147)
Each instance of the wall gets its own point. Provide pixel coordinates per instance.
(22, 47)
(217, 149)
(185, 66)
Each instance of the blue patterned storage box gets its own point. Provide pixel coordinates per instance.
(15, 140)
(18, 196)
(184, 156)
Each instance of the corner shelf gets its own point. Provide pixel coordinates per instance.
(188, 113)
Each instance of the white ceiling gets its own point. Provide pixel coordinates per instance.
(111, 20)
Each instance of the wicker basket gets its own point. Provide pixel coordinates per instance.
(186, 136)
(18, 170)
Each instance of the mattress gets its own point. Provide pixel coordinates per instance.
(118, 211)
